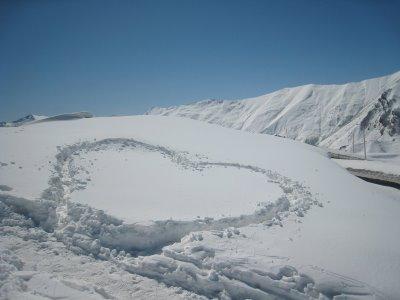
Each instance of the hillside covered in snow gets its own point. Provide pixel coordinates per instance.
(30, 119)
(148, 207)
(325, 115)
(21, 121)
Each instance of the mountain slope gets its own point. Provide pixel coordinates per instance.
(30, 119)
(21, 121)
(325, 115)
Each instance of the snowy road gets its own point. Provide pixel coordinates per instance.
(384, 172)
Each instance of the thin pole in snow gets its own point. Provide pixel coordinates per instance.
(353, 139)
(320, 121)
(365, 150)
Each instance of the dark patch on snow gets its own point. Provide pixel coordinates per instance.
(5, 188)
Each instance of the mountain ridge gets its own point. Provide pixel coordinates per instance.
(30, 118)
(312, 113)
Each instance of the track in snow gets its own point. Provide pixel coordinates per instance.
(189, 264)
(131, 237)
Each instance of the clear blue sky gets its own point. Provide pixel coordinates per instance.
(123, 57)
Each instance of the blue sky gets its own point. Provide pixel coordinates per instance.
(123, 57)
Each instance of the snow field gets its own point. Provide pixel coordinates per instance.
(140, 177)
(293, 246)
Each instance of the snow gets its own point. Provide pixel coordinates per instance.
(43, 270)
(149, 207)
(385, 166)
(237, 192)
(24, 120)
(326, 115)
(69, 116)
(29, 119)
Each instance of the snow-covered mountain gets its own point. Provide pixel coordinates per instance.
(29, 119)
(148, 207)
(326, 115)
(24, 120)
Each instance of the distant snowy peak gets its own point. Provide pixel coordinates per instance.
(35, 118)
(326, 115)
(68, 116)
(23, 120)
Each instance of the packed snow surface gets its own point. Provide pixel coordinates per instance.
(325, 115)
(214, 192)
(154, 207)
